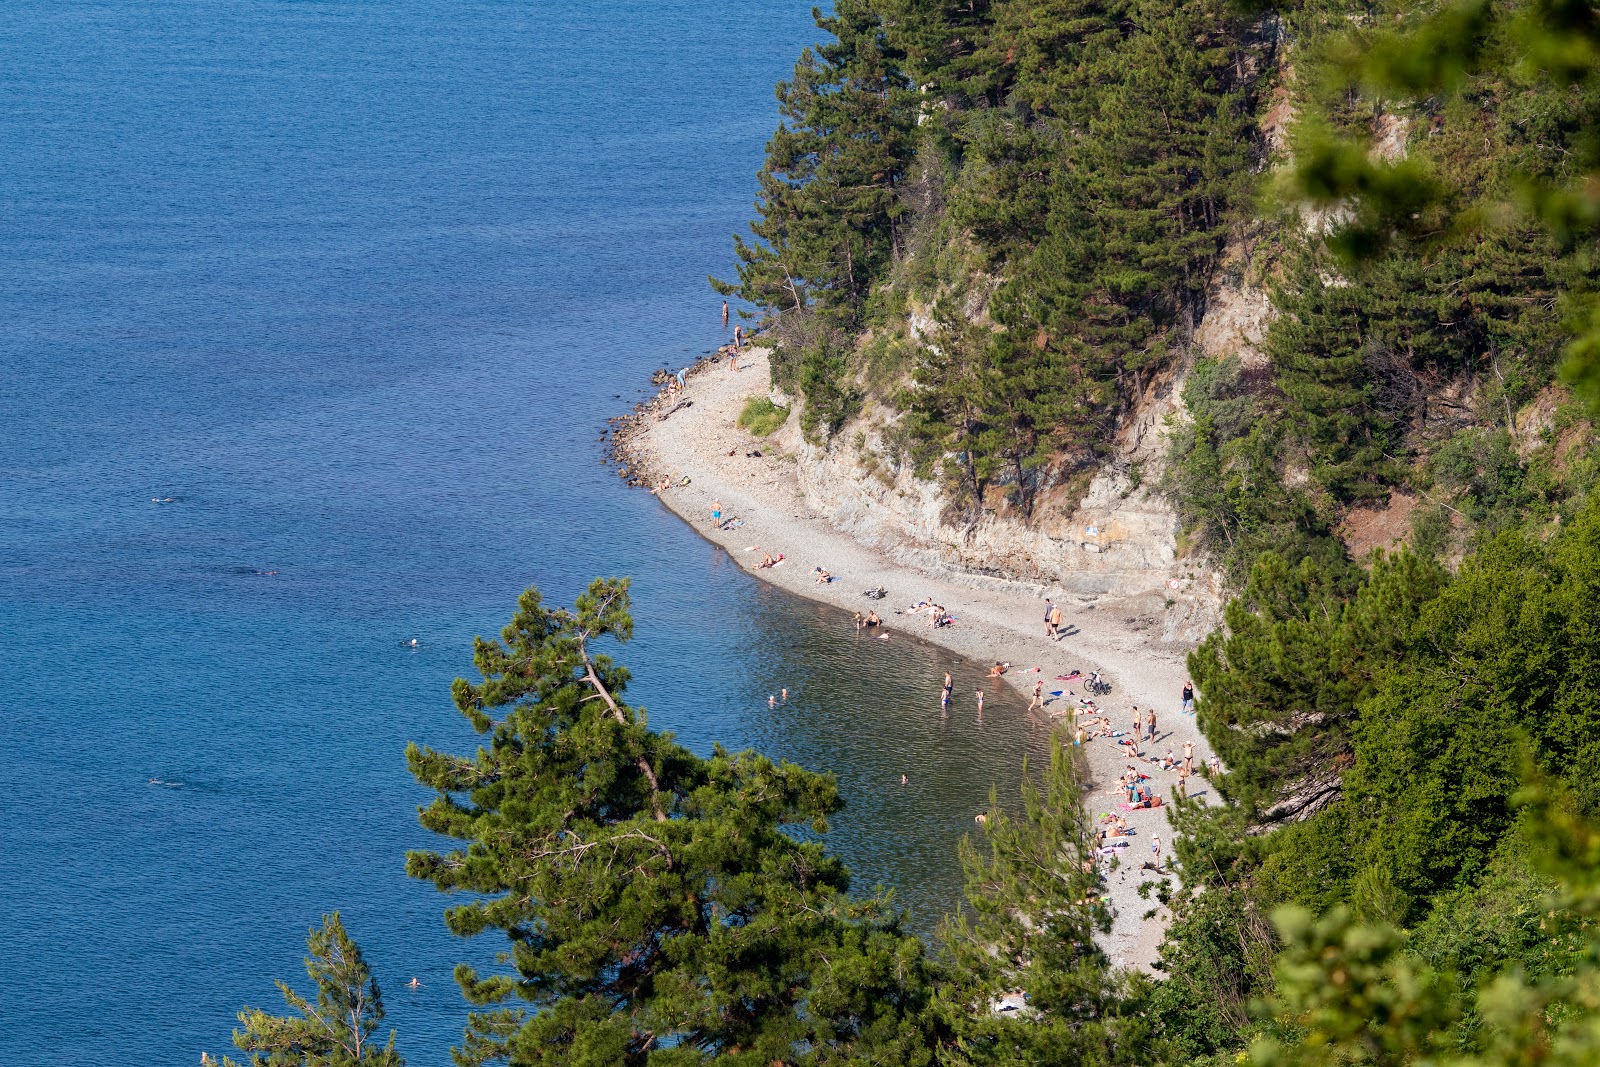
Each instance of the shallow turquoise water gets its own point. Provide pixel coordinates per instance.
(357, 285)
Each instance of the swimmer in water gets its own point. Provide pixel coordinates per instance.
(784, 693)
(415, 983)
(772, 701)
(904, 780)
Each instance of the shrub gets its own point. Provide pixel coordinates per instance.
(761, 416)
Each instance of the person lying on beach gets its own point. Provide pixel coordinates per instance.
(1116, 826)
(768, 561)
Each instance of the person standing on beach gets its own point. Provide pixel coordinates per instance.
(1188, 698)
(716, 514)
(1038, 696)
(1150, 721)
(1188, 757)
(738, 338)
(1049, 627)
(1055, 622)
(1155, 848)
(944, 695)
(1138, 723)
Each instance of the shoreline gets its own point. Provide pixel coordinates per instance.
(997, 620)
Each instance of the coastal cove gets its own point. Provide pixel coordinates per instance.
(993, 534)
(707, 462)
(306, 365)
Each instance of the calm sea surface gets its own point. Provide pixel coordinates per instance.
(356, 284)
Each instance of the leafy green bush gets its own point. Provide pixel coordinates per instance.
(761, 416)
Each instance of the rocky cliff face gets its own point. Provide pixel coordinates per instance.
(1113, 544)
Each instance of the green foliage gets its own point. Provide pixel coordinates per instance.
(1032, 912)
(823, 377)
(760, 416)
(339, 1029)
(829, 214)
(1352, 992)
(1395, 721)
(1216, 961)
(1281, 683)
(1084, 153)
(1504, 663)
(1544, 52)
(656, 909)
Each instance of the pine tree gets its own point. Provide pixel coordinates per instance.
(1029, 925)
(657, 910)
(1282, 684)
(946, 44)
(1320, 350)
(828, 207)
(339, 1029)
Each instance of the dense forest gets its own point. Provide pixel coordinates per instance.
(1003, 221)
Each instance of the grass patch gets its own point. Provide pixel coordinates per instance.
(761, 416)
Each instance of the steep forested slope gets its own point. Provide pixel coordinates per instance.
(1001, 222)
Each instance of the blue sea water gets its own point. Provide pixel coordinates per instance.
(356, 284)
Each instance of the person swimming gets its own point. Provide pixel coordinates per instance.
(415, 983)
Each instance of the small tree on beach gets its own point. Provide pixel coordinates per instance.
(656, 908)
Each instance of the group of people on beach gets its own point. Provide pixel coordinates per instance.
(937, 615)
(1053, 628)
(738, 340)
(947, 690)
